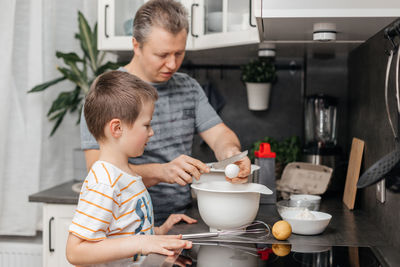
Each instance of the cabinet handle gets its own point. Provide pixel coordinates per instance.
(191, 20)
(105, 21)
(50, 248)
(251, 13)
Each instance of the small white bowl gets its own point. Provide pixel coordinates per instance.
(223, 205)
(307, 226)
(304, 199)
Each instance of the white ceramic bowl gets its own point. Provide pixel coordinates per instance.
(305, 200)
(307, 226)
(226, 255)
(287, 205)
(223, 205)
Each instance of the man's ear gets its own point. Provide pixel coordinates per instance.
(115, 126)
(136, 46)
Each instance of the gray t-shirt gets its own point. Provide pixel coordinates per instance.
(181, 110)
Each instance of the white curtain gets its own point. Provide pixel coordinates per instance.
(30, 33)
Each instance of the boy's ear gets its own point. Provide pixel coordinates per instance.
(115, 126)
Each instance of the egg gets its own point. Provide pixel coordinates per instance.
(281, 230)
(232, 171)
(281, 249)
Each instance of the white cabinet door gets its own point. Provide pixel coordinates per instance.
(213, 23)
(221, 23)
(115, 23)
(56, 220)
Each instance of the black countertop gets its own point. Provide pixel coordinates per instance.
(346, 228)
(60, 194)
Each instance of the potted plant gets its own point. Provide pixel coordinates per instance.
(80, 70)
(258, 75)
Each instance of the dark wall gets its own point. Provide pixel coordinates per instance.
(368, 121)
(284, 118)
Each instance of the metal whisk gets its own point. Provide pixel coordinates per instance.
(257, 229)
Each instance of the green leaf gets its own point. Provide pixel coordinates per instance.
(69, 57)
(87, 40)
(260, 71)
(59, 117)
(45, 85)
(62, 102)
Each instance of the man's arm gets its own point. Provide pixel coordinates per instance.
(180, 170)
(224, 142)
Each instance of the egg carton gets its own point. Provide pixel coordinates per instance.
(304, 178)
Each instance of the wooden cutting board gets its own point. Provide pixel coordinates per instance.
(353, 173)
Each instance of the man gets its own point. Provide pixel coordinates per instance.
(160, 30)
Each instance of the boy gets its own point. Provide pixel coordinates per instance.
(114, 218)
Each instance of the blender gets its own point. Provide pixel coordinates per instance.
(321, 135)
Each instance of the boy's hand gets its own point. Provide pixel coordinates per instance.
(182, 169)
(171, 221)
(162, 244)
(244, 172)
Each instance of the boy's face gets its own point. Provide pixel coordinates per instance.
(135, 137)
(161, 55)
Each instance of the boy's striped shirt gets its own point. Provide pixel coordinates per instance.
(112, 204)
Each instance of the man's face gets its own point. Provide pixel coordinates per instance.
(161, 55)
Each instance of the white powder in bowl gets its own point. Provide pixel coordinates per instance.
(305, 215)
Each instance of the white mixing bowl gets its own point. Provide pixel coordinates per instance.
(223, 205)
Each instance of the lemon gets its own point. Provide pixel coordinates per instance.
(281, 230)
(281, 250)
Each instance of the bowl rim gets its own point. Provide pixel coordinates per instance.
(329, 217)
(256, 187)
(305, 197)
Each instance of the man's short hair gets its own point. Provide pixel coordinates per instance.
(167, 14)
(115, 94)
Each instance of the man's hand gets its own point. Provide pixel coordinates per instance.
(244, 172)
(171, 221)
(182, 169)
(162, 244)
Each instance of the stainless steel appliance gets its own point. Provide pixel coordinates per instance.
(320, 127)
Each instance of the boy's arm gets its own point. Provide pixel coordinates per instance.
(82, 252)
(171, 221)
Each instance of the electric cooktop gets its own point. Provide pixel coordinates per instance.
(248, 255)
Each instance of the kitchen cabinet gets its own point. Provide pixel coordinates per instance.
(56, 221)
(299, 21)
(213, 23)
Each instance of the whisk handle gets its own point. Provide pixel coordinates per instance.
(200, 235)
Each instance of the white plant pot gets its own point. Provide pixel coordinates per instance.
(258, 95)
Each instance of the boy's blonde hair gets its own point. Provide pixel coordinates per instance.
(115, 94)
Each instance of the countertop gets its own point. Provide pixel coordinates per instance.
(60, 194)
(347, 228)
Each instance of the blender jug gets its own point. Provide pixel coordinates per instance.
(320, 121)
(321, 147)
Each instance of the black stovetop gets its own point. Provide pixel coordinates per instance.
(249, 255)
